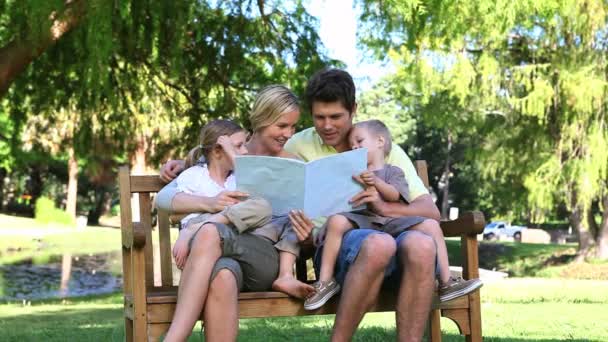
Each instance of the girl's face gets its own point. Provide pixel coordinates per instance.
(361, 137)
(274, 137)
(238, 141)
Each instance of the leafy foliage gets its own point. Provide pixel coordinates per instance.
(529, 75)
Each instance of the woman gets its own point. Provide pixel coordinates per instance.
(273, 118)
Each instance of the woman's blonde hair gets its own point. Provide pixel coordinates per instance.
(208, 139)
(270, 103)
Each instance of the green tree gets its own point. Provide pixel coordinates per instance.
(535, 70)
(142, 77)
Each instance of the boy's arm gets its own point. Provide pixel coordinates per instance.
(421, 206)
(388, 192)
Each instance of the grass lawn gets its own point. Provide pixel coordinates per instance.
(531, 260)
(517, 309)
(512, 310)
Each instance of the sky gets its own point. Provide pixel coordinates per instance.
(338, 30)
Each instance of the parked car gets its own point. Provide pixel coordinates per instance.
(495, 230)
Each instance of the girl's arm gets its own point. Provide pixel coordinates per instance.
(171, 198)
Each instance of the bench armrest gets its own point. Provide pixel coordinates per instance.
(469, 223)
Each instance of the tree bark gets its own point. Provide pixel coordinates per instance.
(70, 206)
(2, 175)
(585, 240)
(138, 161)
(602, 237)
(102, 202)
(66, 272)
(19, 53)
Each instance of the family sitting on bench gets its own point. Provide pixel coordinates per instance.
(230, 242)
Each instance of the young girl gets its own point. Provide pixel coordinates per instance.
(252, 214)
(220, 142)
(390, 183)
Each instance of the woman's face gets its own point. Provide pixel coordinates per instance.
(274, 137)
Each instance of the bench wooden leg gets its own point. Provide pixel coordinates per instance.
(475, 318)
(434, 332)
(128, 330)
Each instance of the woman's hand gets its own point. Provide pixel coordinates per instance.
(225, 199)
(171, 169)
(302, 226)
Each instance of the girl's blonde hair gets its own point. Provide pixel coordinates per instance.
(378, 128)
(270, 103)
(208, 139)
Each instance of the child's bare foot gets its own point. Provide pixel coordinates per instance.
(181, 249)
(292, 286)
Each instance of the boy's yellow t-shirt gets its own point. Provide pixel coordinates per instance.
(308, 145)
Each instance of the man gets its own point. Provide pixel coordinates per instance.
(369, 258)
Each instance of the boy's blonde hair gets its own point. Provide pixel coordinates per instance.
(208, 139)
(378, 128)
(270, 103)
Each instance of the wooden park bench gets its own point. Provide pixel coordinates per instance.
(149, 304)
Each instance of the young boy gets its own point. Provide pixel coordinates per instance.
(390, 183)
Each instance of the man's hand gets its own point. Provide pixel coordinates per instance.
(171, 169)
(302, 226)
(225, 199)
(367, 178)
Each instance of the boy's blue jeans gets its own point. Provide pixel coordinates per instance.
(351, 245)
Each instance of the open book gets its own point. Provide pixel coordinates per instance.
(321, 187)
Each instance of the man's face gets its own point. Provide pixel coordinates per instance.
(333, 123)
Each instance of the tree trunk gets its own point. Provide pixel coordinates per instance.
(66, 272)
(34, 184)
(102, 200)
(138, 161)
(19, 53)
(445, 177)
(2, 176)
(70, 206)
(602, 236)
(585, 240)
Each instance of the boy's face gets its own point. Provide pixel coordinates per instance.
(333, 122)
(362, 138)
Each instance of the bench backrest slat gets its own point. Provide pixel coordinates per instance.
(164, 238)
(421, 170)
(145, 219)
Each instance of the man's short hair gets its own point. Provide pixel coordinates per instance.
(331, 85)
